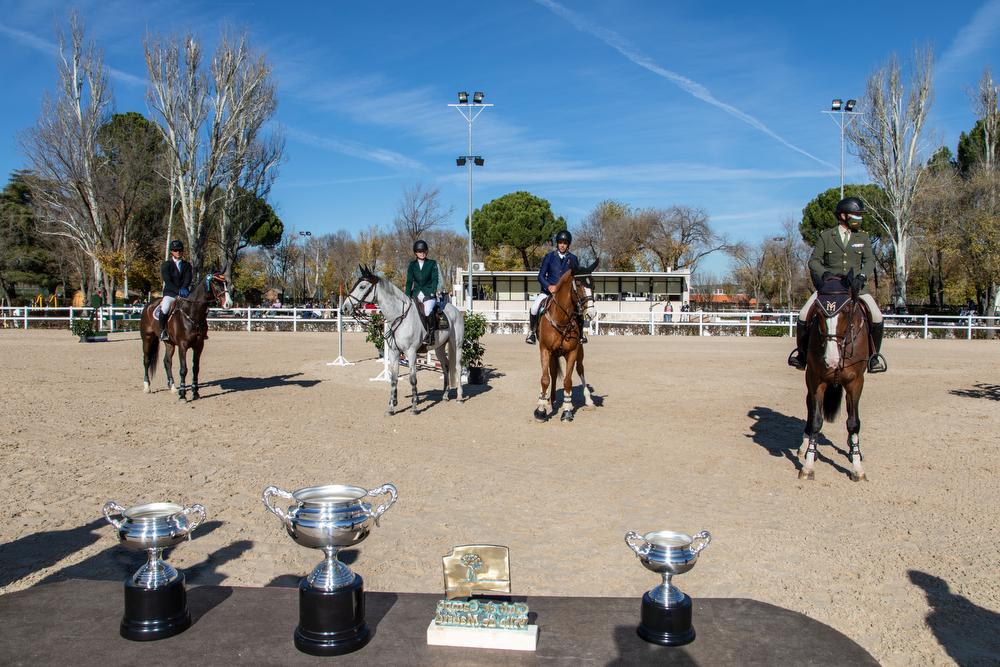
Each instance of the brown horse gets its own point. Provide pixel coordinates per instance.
(187, 328)
(837, 358)
(559, 336)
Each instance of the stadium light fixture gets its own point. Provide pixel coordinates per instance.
(463, 97)
(842, 114)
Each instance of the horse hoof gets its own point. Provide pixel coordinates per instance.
(859, 478)
(541, 415)
(173, 389)
(567, 416)
(145, 387)
(810, 475)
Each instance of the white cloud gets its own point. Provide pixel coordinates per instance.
(355, 149)
(620, 44)
(980, 32)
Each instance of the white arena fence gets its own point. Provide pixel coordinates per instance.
(698, 323)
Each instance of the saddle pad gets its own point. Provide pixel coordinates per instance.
(832, 297)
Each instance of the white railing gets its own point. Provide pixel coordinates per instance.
(743, 323)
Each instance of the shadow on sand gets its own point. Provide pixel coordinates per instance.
(979, 390)
(970, 634)
(780, 435)
(233, 384)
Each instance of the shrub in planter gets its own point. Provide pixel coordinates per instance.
(472, 349)
(83, 328)
(374, 330)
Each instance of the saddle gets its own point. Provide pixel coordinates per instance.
(832, 296)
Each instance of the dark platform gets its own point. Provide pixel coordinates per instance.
(76, 623)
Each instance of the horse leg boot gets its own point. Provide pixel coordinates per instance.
(583, 329)
(532, 329)
(414, 399)
(797, 359)
(876, 363)
(808, 467)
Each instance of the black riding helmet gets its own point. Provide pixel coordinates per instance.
(176, 244)
(850, 205)
(420, 246)
(564, 235)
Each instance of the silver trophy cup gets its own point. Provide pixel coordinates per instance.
(666, 611)
(153, 527)
(155, 596)
(331, 597)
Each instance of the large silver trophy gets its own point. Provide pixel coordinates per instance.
(155, 597)
(331, 597)
(666, 610)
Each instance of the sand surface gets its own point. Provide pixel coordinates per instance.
(691, 434)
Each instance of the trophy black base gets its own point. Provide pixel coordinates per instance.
(155, 613)
(667, 626)
(331, 622)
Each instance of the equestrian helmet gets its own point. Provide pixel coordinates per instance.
(177, 245)
(420, 246)
(850, 205)
(564, 236)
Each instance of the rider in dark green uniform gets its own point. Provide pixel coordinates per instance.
(840, 250)
(422, 284)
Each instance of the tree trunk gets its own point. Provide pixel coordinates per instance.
(524, 258)
(902, 269)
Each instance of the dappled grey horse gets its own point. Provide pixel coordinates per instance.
(404, 332)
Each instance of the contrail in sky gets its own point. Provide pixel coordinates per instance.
(620, 44)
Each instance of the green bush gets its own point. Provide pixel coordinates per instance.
(82, 327)
(374, 331)
(472, 350)
(770, 330)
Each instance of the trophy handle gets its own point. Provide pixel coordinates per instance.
(703, 535)
(112, 508)
(274, 509)
(632, 536)
(381, 509)
(187, 511)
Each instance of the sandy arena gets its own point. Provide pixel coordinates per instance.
(690, 434)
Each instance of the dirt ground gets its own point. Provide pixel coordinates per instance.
(690, 434)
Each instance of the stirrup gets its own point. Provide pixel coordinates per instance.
(794, 361)
(877, 364)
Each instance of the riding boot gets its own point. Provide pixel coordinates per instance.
(532, 329)
(583, 330)
(797, 359)
(431, 329)
(876, 363)
(163, 325)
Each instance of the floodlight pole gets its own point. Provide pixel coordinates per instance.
(842, 118)
(470, 111)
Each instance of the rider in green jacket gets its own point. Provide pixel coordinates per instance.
(840, 250)
(422, 285)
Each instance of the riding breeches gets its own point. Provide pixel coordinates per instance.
(537, 303)
(166, 304)
(869, 300)
(428, 304)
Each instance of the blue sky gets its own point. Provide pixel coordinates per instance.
(709, 104)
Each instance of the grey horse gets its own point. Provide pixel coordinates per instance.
(404, 332)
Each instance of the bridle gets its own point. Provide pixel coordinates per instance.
(845, 342)
(570, 327)
(218, 297)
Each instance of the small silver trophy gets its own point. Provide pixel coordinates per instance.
(666, 610)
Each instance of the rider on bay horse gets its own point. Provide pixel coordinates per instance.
(421, 286)
(839, 250)
(177, 276)
(556, 263)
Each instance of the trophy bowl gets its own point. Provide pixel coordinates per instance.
(155, 596)
(153, 527)
(331, 518)
(666, 611)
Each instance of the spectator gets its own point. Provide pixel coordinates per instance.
(668, 312)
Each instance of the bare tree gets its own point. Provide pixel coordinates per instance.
(62, 149)
(680, 236)
(419, 211)
(987, 110)
(888, 143)
(212, 125)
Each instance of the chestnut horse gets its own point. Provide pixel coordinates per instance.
(837, 358)
(187, 328)
(559, 336)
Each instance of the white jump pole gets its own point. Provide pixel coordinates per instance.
(340, 360)
(384, 376)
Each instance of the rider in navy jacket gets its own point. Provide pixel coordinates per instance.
(555, 264)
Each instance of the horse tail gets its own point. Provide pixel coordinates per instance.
(831, 401)
(454, 361)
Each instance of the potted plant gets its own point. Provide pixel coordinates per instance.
(472, 350)
(374, 330)
(84, 328)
